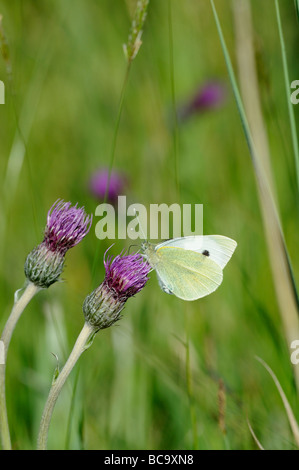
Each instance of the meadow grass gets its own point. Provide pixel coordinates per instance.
(65, 116)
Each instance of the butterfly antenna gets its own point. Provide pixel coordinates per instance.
(131, 247)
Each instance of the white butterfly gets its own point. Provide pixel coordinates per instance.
(190, 267)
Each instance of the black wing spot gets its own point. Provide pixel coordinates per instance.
(206, 253)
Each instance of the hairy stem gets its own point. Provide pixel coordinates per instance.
(81, 344)
(16, 312)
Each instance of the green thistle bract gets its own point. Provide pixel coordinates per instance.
(125, 276)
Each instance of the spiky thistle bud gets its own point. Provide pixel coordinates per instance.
(66, 226)
(125, 276)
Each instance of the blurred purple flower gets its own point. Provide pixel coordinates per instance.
(126, 275)
(209, 96)
(99, 182)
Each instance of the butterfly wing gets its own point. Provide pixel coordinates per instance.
(187, 274)
(163, 286)
(217, 247)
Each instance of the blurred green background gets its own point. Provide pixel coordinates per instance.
(129, 390)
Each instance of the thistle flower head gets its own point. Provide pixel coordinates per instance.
(126, 275)
(66, 226)
(102, 185)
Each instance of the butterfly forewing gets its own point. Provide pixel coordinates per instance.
(187, 274)
(217, 247)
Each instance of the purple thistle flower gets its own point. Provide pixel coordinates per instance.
(99, 183)
(210, 96)
(66, 226)
(126, 275)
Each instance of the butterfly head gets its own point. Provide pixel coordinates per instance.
(149, 252)
(146, 247)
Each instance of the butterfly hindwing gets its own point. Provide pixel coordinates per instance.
(187, 274)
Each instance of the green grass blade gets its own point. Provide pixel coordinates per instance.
(291, 417)
(173, 99)
(279, 260)
(287, 87)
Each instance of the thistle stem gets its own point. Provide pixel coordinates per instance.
(16, 312)
(79, 347)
